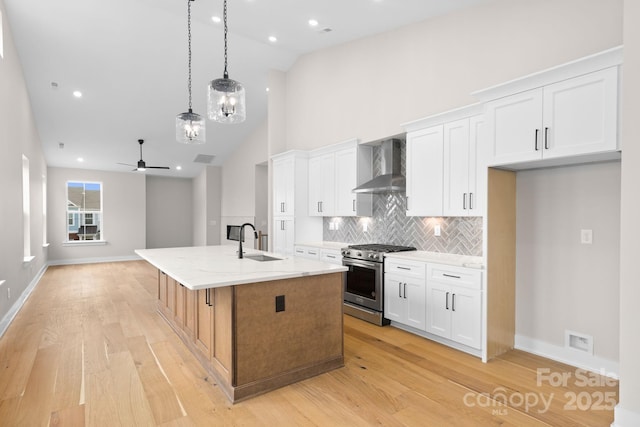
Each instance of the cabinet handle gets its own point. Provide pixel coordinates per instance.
(282, 225)
(536, 145)
(354, 205)
(546, 138)
(404, 268)
(446, 305)
(206, 297)
(450, 275)
(453, 302)
(470, 201)
(405, 290)
(464, 200)
(331, 256)
(313, 253)
(399, 289)
(281, 206)
(407, 202)
(318, 207)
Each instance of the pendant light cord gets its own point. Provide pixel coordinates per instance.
(189, 38)
(226, 75)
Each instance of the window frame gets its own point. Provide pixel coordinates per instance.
(77, 217)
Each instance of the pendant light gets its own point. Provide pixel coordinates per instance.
(190, 127)
(226, 102)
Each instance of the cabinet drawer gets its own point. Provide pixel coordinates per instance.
(458, 276)
(406, 268)
(333, 257)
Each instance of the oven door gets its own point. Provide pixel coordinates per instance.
(363, 283)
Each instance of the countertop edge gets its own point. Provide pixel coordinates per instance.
(466, 261)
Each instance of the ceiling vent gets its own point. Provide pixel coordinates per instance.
(204, 158)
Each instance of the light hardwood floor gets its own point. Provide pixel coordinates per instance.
(88, 348)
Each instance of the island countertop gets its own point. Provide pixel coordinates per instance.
(204, 267)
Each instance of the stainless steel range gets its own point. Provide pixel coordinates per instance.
(364, 282)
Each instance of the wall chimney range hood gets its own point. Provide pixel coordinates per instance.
(390, 179)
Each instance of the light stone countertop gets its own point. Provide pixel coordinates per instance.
(203, 267)
(325, 245)
(439, 258)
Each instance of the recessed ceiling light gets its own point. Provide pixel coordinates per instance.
(267, 89)
(179, 168)
(216, 19)
(313, 22)
(80, 159)
(273, 39)
(77, 94)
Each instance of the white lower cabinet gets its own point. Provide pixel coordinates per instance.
(332, 256)
(454, 304)
(404, 293)
(307, 252)
(283, 236)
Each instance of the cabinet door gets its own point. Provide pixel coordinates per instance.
(394, 305)
(190, 312)
(321, 185)
(162, 290)
(456, 168)
(515, 124)
(438, 310)
(204, 322)
(477, 192)
(414, 293)
(580, 115)
(283, 236)
(283, 186)
(171, 299)
(466, 316)
(346, 180)
(178, 314)
(424, 172)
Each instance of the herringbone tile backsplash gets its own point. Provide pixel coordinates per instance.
(390, 225)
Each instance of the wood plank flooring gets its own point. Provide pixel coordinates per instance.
(88, 348)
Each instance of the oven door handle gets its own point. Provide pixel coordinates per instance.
(358, 263)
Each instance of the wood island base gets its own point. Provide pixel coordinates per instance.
(257, 337)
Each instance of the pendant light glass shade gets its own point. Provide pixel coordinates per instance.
(226, 103)
(225, 97)
(190, 128)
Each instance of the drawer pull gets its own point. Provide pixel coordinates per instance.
(404, 268)
(450, 275)
(331, 256)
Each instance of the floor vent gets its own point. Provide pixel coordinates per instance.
(580, 342)
(204, 158)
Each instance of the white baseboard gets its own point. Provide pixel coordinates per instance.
(15, 308)
(625, 418)
(94, 260)
(577, 358)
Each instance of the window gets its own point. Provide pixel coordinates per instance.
(84, 211)
(44, 211)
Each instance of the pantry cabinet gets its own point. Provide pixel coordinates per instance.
(454, 304)
(573, 117)
(290, 219)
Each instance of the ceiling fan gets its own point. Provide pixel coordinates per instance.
(142, 166)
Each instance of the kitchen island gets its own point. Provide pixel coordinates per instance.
(255, 324)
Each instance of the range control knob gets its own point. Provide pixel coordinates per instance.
(345, 252)
(359, 254)
(374, 256)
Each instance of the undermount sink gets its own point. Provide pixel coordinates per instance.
(262, 257)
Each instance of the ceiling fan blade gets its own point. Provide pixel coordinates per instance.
(126, 164)
(158, 167)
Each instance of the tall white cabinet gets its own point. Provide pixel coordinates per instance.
(291, 222)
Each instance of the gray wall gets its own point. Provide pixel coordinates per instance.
(561, 283)
(207, 202)
(169, 212)
(124, 216)
(18, 136)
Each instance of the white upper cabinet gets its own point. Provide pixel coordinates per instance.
(334, 171)
(580, 115)
(283, 186)
(322, 182)
(442, 163)
(461, 139)
(424, 172)
(563, 115)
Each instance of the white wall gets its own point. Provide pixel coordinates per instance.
(169, 212)
(207, 202)
(628, 409)
(124, 215)
(18, 136)
(239, 181)
(562, 284)
(367, 88)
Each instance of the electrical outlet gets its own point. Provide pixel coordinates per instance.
(586, 237)
(436, 230)
(332, 226)
(365, 227)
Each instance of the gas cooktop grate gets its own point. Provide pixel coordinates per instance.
(381, 248)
